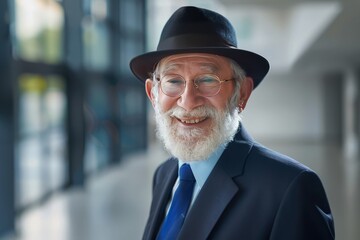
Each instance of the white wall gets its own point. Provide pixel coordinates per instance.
(294, 107)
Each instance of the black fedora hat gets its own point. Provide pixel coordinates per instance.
(197, 30)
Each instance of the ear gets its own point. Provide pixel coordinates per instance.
(148, 89)
(246, 89)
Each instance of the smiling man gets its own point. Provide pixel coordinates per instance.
(220, 183)
(196, 116)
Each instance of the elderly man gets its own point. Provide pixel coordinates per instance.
(220, 183)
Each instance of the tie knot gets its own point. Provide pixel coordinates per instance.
(186, 173)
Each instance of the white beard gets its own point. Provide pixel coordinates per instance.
(196, 144)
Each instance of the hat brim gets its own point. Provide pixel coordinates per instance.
(253, 64)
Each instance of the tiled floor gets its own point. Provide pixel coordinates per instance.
(115, 203)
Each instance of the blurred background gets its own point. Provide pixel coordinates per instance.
(77, 140)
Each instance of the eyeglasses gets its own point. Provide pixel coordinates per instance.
(208, 85)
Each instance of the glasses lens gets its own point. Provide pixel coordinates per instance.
(208, 85)
(172, 85)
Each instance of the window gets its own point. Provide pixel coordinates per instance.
(96, 35)
(39, 30)
(41, 156)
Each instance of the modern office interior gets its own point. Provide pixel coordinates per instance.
(78, 146)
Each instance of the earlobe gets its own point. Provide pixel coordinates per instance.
(241, 105)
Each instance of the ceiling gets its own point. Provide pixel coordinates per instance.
(338, 47)
(293, 35)
(328, 32)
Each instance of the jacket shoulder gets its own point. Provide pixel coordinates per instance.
(163, 170)
(268, 159)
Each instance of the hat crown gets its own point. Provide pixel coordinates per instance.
(196, 27)
(197, 30)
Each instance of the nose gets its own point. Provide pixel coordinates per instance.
(190, 99)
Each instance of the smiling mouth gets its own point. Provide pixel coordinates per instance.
(192, 120)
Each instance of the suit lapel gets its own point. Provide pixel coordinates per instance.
(161, 197)
(208, 206)
(218, 190)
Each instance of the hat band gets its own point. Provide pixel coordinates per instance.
(192, 41)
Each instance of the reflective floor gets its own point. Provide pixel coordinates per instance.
(115, 203)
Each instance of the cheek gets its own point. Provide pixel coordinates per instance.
(166, 103)
(220, 102)
(219, 106)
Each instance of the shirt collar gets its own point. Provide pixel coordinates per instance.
(202, 169)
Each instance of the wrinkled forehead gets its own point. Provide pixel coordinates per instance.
(201, 61)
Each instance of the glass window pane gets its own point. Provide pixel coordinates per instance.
(98, 148)
(96, 8)
(132, 138)
(131, 102)
(132, 109)
(131, 16)
(41, 148)
(31, 104)
(96, 44)
(131, 23)
(39, 30)
(99, 126)
(129, 49)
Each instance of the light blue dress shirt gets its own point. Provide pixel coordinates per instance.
(201, 170)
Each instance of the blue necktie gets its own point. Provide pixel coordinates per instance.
(180, 205)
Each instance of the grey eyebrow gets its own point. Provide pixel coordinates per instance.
(212, 68)
(167, 68)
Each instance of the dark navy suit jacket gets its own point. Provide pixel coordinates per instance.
(252, 193)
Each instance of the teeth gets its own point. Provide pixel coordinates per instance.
(191, 121)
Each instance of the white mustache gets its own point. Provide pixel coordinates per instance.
(202, 111)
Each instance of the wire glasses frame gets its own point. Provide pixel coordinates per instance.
(207, 85)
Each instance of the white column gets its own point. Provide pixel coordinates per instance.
(350, 113)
